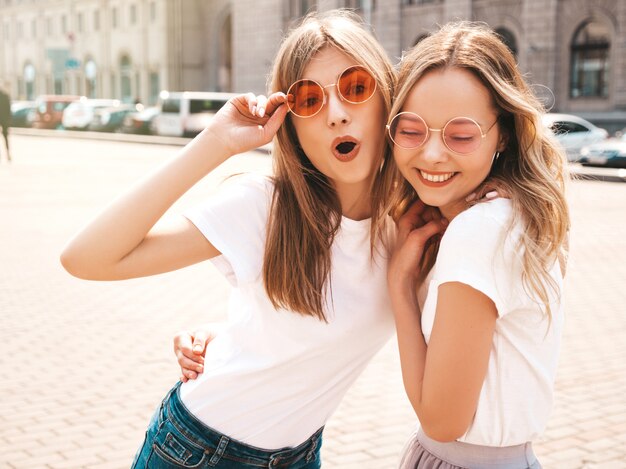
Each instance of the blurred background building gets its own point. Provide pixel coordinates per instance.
(132, 49)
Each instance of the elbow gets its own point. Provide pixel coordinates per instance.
(71, 262)
(443, 426)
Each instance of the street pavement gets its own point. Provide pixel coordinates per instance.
(84, 364)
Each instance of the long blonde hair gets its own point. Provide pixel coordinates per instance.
(531, 170)
(305, 214)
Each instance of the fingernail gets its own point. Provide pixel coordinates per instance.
(261, 112)
(199, 369)
(197, 348)
(491, 195)
(470, 197)
(253, 110)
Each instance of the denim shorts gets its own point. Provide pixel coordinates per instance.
(177, 439)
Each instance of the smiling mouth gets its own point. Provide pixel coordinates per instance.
(442, 177)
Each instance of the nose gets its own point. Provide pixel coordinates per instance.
(337, 109)
(434, 150)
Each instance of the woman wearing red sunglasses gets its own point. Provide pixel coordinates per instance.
(306, 252)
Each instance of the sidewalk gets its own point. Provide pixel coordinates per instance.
(83, 364)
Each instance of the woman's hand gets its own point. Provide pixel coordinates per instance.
(190, 349)
(415, 228)
(247, 122)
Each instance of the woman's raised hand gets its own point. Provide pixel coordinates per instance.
(248, 121)
(416, 227)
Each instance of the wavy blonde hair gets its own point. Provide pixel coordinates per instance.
(531, 170)
(305, 213)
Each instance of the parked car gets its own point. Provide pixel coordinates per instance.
(109, 119)
(22, 113)
(140, 122)
(610, 153)
(49, 113)
(573, 132)
(187, 113)
(79, 114)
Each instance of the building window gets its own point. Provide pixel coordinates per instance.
(154, 87)
(79, 22)
(589, 69)
(153, 11)
(114, 18)
(91, 74)
(63, 24)
(7, 32)
(509, 39)
(33, 29)
(20, 30)
(49, 26)
(420, 2)
(133, 14)
(29, 81)
(125, 83)
(96, 20)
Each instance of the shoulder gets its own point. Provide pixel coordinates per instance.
(485, 220)
(481, 231)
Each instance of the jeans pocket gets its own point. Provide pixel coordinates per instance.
(172, 449)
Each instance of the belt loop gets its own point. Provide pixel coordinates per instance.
(219, 452)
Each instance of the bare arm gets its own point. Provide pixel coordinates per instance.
(443, 380)
(123, 242)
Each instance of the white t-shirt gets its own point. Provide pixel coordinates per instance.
(273, 377)
(516, 398)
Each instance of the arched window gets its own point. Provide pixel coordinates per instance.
(589, 70)
(509, 39)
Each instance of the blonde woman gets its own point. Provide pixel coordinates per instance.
(306, 252)
(479, 314)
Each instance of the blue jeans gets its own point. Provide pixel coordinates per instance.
(177, 439)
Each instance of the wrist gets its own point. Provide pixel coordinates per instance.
(217, 141)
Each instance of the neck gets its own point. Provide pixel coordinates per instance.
(453, 209)
(355, 200)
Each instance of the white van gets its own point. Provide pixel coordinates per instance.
(187, 113)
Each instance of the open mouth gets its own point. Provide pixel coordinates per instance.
(345, 148)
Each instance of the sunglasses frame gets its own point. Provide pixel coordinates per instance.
(442, 130)
(323, 88)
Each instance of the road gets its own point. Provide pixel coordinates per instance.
(83, 364)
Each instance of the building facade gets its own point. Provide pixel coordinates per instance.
(573, 51)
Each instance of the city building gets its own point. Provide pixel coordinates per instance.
(573, 51)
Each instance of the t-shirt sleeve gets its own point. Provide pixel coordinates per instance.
(234, 221)
(479, 250)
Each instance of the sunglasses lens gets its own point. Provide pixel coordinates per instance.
(305, 98)
(408, 130)
(356, 85)
(462, 135)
